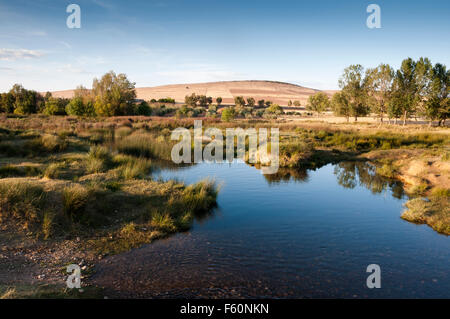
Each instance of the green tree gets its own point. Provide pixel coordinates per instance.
(228, 114)
(352, 84)
(239, 101)
(219, 100)
(54, 106)
(7, 102)
(143, 109)
(341, 105)
(261, 103)
(25, 101)
(378, 82)
(318, 102)
(405, 95)
(437, 104)
(251, 102)
(274, 109)
(114, 95)
(191, 100)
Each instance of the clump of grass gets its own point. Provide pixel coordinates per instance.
(145, 145)
(98, 160)
(47, 225)
(22, 201)
(53, 171)
(47, 144)
(200, 197)
(75, 199)
(295, 154)
(434, 212)
(163, 222)
(132, 167)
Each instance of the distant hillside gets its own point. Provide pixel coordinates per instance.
(277, 92)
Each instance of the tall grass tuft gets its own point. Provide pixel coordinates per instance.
(22, 201)
(98, 160)
(145, 145)
(200, 197)
(131, 167)
(75, 199)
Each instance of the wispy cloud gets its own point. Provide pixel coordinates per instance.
(67, 45)
(103, 4)
(17, 54)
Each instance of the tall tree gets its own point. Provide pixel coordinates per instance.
(318, 102)
(437, 105)
(410, 87)
(378, 83)
(352, 84)
(251, 102)
(239, 101)
(114, 95)
(341, 105)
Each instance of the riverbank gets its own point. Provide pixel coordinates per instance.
(77, 190)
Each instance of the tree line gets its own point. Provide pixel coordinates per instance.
(111, 95)
(417, 89)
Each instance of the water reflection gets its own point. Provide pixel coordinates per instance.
(352, 174)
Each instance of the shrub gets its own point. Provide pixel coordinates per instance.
(228, 114)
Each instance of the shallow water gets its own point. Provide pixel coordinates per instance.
(296, 235)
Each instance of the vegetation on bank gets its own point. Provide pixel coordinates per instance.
(94, 184)
(88, 181)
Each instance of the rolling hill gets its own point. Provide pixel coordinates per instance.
(277, 92)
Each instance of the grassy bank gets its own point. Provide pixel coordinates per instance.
(85, 192)
(82, 188)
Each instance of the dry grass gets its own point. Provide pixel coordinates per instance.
(434, 212)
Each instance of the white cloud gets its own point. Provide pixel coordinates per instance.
(17, 54)
(67, 45)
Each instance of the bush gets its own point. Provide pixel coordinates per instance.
(228, 114)
(143, 109)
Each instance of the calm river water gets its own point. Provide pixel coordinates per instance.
(299, 234)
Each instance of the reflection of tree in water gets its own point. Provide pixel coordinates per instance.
(351, 174)
(285, 175)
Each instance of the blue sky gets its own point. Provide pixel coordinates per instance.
(159, 42)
